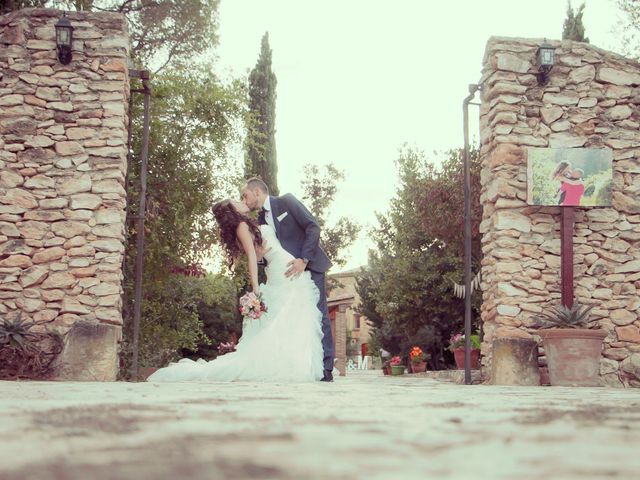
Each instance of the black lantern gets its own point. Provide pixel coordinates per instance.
(546, 57)
(64, 40)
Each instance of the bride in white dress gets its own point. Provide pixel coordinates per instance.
(285, 343)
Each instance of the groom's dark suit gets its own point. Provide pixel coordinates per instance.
(299, 234)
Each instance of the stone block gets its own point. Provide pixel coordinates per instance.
(21, 261)
(628, 333)
(622, 317)
(566, 140)
(59, 280)
(20, 198)
(512, 63)
(619, 112)
(69, 148)
(631, 366)
(70, 229)
(566, 98)
(511, 220)
(582, 74)
(90, 353)
(617, 77)
(515, 362)
(86, 201)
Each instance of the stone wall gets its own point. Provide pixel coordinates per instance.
(591, 101)
(62, 169)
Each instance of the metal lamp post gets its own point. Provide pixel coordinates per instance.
(473, 88)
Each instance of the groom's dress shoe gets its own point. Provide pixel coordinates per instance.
(328, 376)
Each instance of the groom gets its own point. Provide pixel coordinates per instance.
(299, 234)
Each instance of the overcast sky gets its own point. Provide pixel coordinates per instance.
(357, 79)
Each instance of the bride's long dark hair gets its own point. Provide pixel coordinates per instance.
(228, 219)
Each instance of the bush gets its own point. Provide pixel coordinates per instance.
(186, 316)
(26, 352)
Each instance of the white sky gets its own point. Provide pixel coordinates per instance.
(357, 79)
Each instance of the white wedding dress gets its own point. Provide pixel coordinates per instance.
(283, 345)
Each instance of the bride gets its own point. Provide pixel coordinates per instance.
(285, 343)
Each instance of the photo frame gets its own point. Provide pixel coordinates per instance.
(570, 177)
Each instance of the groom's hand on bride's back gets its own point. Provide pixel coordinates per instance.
(296, 267)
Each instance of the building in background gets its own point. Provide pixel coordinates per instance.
(350, 329)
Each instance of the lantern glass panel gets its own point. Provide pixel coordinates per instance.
(63, 36)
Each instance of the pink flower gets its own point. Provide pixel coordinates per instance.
(396, 360)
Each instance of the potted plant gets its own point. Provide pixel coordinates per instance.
(456, 345)
(397, 368)
(572, 347)
(418, 360)
(386, 367)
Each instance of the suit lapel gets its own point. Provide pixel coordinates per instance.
(275, 211)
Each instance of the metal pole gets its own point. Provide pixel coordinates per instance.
(467, 238)
(144, 75)
(125, 299)
(567, 220)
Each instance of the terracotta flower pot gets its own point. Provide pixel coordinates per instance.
(397, 369)
(418, 367)
(573, 355)
(458, 353)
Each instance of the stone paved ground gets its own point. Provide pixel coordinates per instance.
(362, 426)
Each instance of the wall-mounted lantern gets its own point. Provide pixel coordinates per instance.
(546, 58)
(64, 40)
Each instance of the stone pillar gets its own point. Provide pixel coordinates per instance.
(341, 339)
(63, 132)
(515, 362)
(591, 101)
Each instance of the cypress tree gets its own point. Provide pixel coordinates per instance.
(261, 157)
(573, 28)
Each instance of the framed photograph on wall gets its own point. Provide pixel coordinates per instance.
(570, 177)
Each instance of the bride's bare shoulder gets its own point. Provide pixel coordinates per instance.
(242, 227)
(244, 233)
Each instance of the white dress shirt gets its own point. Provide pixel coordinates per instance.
(268, 216)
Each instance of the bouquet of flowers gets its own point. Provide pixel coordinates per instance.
(252, 306)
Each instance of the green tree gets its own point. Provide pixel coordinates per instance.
(320, 187)
(407, 288)
(628, 27)
(441, 196)
(195, 119)
(11, 5)
(261, 159)
(573, 28)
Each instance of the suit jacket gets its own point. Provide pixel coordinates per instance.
(297, 230)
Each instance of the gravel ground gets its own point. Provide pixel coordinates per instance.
(361, 426)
